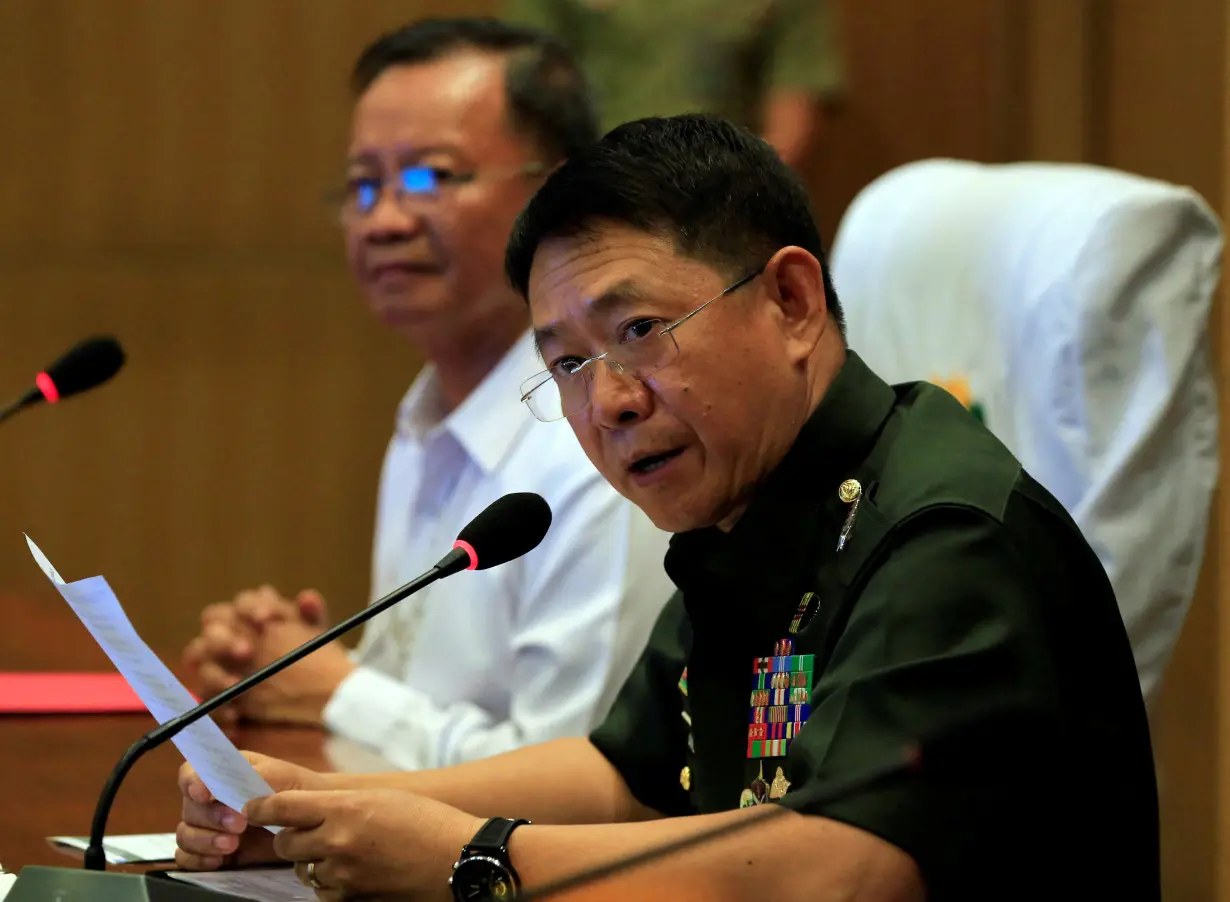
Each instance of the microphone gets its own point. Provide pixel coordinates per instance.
(510, 527)
(971, 749)
(87, 365)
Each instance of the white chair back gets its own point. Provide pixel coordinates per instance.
(1068, 306)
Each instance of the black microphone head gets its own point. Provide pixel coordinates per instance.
(510, 527)
(87, 365)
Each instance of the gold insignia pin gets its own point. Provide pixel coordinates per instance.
(685, 779)
(850, 492)
(802, 611)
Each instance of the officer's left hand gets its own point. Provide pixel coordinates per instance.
(380, 843)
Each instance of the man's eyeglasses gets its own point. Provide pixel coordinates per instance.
(563, 389)
(361, 194)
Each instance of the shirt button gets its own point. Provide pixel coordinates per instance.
(685, 779)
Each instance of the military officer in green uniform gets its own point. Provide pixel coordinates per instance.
(769, 65)
(864, 571)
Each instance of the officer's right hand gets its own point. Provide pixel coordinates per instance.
(211, 835)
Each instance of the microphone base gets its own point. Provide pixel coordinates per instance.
(43, 884)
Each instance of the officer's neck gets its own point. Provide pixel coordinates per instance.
(823, 366)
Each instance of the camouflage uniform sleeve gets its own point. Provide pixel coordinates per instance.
(804, 47)
(543, 14)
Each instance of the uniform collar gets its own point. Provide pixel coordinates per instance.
(766, 554)
(488, 423)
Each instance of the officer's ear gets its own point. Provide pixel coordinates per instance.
(794, 280)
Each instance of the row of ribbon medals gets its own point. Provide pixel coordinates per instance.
(781, 695)
(780, 704)
(781, 687)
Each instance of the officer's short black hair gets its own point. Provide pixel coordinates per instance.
(548, 99)
(720, 193)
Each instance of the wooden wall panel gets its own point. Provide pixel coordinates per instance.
(161, 173)
(188, 123)
(1163, 90)
(923, 79)
(240, 444)
(1053, 50)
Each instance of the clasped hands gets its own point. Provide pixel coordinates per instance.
(256, 628)
(365, 844)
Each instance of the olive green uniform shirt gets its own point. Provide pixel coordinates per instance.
(963, 594)
(666, 57)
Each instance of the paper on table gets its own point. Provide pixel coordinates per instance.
(227, 773)
(6, 883)
(258, 884)
(132, 848)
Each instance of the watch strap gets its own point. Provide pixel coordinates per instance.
(490, 844)
(492, 837)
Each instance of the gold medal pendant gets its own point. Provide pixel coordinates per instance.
(757, 793)
(780, 785)
(687, 718)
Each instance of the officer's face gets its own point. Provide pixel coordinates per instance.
(689, 441)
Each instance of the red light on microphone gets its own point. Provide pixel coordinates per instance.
(470, 553)
(47, 387)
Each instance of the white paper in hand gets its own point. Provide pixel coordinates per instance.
(226, 772)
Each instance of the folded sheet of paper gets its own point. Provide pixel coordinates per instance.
(258, 884)
(131, 848)
(6, 883)
(227, 773)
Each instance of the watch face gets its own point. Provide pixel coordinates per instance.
(479, 879)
